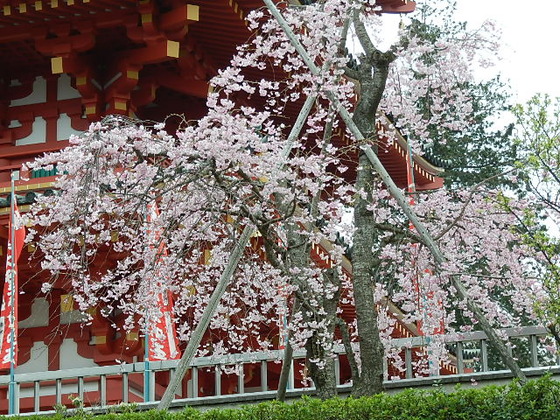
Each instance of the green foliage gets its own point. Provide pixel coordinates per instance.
(538, 131)
(538, 170)
(486, 148)
(484, 151)
(539, 399)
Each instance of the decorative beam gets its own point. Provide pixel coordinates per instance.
(154, 52)
(179, 18)
(161, 34)
(65, 44)
(187, 86)
(236, 9)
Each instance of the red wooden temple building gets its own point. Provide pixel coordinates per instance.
(67, 63)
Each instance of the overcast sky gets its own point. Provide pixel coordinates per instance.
(531, 57)
(530, 33)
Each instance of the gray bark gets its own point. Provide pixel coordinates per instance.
(372, 73)
(324, 377)
(285, 372)
(298, 256)
(347, 341)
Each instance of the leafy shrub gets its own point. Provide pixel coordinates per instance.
(539, 399)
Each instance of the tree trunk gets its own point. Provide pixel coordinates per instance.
(285, 372)
(298, 256)
(371, 349)
(370, 380)
(323, 372)
(323, 376)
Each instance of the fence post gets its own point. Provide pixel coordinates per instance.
(264, 376)
(484, 355)
(460, 361)
(408, 362)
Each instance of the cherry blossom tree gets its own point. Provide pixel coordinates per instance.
(275, 163)
(538, 133)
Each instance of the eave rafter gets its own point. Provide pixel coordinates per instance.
(237, 9)
(151, 36)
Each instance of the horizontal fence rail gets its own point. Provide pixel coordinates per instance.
(98, 388)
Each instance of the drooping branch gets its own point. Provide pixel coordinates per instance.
(461, 213)
(226, 275)
(196, 336)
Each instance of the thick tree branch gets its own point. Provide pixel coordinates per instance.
(362, 35)
(351, 73)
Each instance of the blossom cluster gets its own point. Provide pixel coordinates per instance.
(238, 166)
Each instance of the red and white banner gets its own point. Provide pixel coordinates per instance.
(8, 312)
(162, 335)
